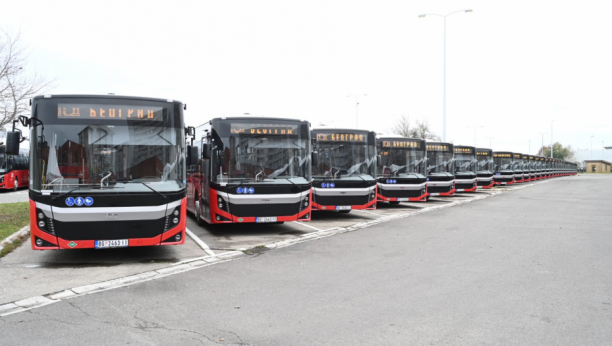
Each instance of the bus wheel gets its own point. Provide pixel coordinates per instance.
(16, 185)
(344, 211)
(394, 202)
(199, 220)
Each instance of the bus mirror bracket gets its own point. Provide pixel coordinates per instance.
(12, 142)
(206, 151)
(192, 155)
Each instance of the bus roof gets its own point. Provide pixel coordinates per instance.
(106, 97)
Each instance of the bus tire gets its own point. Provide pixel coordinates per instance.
(199, 220)
(394, 202)
(344, 211)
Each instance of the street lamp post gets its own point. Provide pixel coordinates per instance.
(444, 74)
(542, 133)
(551, 139)
(529, 152)
(591, 147)
(357, 107)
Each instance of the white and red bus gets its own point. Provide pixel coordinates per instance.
(504, 175)
(486, 168)
(250, 170)
(401, 169)
(14, 169)
(106, 171)
(440, 169)
(465, 168)
(343, 169)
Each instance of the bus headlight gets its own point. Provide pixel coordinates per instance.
(44, 223)
(39, 242)
(176, 218)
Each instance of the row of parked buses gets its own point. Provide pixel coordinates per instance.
(111, 171)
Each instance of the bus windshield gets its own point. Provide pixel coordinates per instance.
(85, 146)
(517, 164)
(272, 151)
(401, 162)
(502, 163)
(465, 163)
(485, 163)
(344, 159)
(439, 162)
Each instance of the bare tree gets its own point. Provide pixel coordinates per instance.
(16, 85)
(402, 126)
(421, 129)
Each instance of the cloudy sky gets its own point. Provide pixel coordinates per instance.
(512, 66)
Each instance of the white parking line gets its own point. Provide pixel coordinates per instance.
(200, 243)
(306, 225)
(368, 212)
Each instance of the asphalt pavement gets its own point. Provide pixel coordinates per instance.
(526, 267)
(10, 196)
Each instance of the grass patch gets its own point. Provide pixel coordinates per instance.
(13, 217)
(15, 244)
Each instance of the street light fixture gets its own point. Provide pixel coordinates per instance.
(357, 107)
(444, 74)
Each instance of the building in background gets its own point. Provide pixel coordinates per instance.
(597, 166)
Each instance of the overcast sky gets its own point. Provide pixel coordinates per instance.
(512, 66)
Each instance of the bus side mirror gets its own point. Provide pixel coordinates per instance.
(190, 131)
(12, 142)
(313, 159)
(192, 155)
(206, 151)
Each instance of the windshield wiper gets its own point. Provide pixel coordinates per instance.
(65, 193)
(157, 192)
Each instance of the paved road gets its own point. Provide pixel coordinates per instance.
(10, 196)
(527, 267)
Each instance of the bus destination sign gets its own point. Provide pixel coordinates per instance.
(502, 155)
(483, 153)
(437, 147)
(401, 144)
(464, 150)
(264, 129)
(109, 112)
(341, 137)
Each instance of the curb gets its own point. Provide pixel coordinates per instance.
(22, 232)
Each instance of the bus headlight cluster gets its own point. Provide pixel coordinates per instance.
(222, 204)
(44, 223)
(372, 194)
(1, 179)
(305, 202)
(172, 219)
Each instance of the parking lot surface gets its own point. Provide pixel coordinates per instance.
(526, 267)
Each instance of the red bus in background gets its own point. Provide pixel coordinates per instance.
(14, 169)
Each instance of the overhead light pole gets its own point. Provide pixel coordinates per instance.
(357, 107)
(591, 147)
(542, 133)
(551, 139)
(529, 152)
(444, 73)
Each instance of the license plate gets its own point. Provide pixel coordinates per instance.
(503, 183)
(403, 199)
(434, 194)
(497, 173)
(106, 244)
(343, 207)
(460, 190)
(265, 219)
